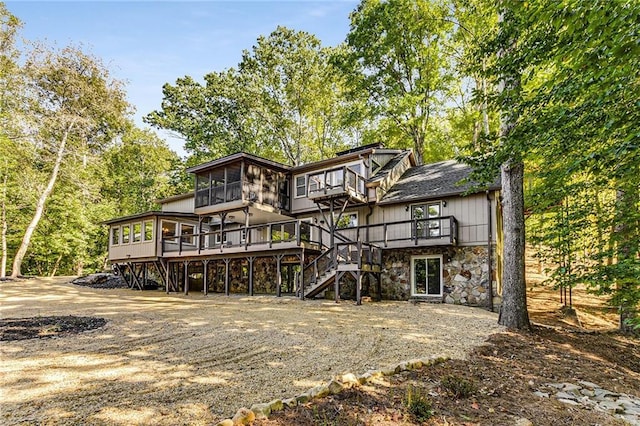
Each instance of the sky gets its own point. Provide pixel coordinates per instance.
(150, 43)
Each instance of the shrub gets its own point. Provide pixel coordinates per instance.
(418, 405)
(458, 387)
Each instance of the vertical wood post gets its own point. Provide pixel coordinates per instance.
(336, 287)
(186, 277)
(251, 259)
(301, 277)
(358, 278)
(278, 258)
(205, 276)
(226, 276)
(167, 276)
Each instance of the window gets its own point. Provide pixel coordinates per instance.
(421, 213)
(169, 230)
(426, 275)
(115, 236)
(148, 230)
(219, 240)
(301, 186)
(243, 236)
(186, 233)
(348, 220)
(126, 233)
(137, 232)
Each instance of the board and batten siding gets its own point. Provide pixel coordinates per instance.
(183, 205)
(470, 211)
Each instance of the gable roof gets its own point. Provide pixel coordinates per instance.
(436, 180)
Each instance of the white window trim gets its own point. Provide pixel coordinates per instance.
(133, 233)
(119, 235)
(413, 276)
(144, 233)
(193, 238)
(347, 213)
(162, 222)
(295, 184)
(122, 233)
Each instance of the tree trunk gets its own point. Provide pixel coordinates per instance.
(3, 261)
(513, 313)
(26, 239)
(626, 248)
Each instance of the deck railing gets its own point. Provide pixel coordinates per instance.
(264, 236)
(336, 180)
(442, 230)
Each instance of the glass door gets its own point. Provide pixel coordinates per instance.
(426, 274)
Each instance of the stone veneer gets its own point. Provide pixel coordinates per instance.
(465, 275)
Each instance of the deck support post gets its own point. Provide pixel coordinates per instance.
(144, 274)
(358, 277)
(205, 276)
(251, 259)
(186, 277)
(166, 281)
(279, 258)
(226, 276)
(301, 276)
(336, 287)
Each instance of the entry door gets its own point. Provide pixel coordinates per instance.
(426, 274)
(288, 278)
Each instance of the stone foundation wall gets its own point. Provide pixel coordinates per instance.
(465, 274)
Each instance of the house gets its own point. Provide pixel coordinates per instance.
(368, 222)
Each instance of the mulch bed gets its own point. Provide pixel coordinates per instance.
(46, 327)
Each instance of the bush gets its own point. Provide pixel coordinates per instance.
(418, 404)
(458, 387)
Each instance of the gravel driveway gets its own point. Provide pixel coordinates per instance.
(174, 359)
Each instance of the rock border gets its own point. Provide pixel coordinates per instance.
(336, 385)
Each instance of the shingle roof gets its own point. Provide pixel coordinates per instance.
(434, 180)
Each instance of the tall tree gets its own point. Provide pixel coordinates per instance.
(74, 107)
(400, 56)
(285, 101)
(137, 171)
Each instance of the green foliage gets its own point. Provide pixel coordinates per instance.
(399, 56)
(418, 404)
(284, 102)
(458, 387)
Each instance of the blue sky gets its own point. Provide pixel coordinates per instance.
(149, 43)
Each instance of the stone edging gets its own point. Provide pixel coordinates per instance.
(591, 396)
(346, 381)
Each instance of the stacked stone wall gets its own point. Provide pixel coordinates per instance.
(465, 273)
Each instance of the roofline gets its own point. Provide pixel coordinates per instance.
(175, 197)
(341, 158)
(239, 156)
(149, 213)
(438, 196)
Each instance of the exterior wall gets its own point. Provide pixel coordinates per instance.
(303, 204)
(133, 250)
(470, 211)
(465, 275)
(184, 205)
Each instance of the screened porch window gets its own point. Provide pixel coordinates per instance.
(219, 186)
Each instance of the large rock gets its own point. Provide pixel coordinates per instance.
(243, 416)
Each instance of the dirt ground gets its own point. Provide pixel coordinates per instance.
(505, 373)
(172, 359)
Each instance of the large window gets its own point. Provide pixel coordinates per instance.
(148, 230)
(169, 230)
(426, 275)
(115, 235)
(219, 186)
(421, 213)
(186, 233)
